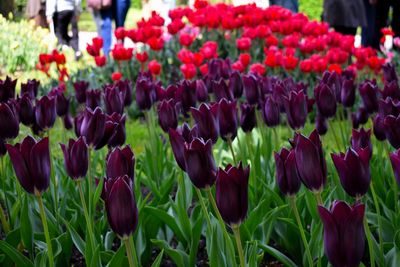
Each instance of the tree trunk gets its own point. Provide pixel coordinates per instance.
(6, 6)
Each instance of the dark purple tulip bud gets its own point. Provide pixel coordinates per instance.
(166, 94)
(221, 90)
(120, 162)
(232, 193)
(187, 133)
(78, 123)
(115, 132)
(62, 103)
(389, 72)
(30, 88)
(296, 109)
(348, 93)
(251, 90)
(388, 106)
(80, 91)
(369, 95)
(326, 100)
(125, 86)
(7, 89)
(93, 126)
(360, 117)
(379, 127)
(76, 158)
(120, 203)
(45, 112)
(361, 139)
(201, 91)
(344, 237)
(9, 121)
(3, 149)
(207, 121)
(114, 100)
(353, 170)
(68, 122)
(199, 162)
(178, 147)
(228, 119)
(271, 112)
(395, 160)
(186, 94)
(247, 117)
(145, 93)
(334, 83)
(310, 161)
(392, 130)
(286, 172)
(26, 110)
(391, 89)
(236, 84)
(93, 99)
(31, 162)
(167, 115)
(321, 125)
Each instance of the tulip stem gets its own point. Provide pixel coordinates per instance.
(318, 197)
(85, 212)
(301, 229)
(249, 145)
(236, 232)
(334, 134)
(130, 252)
(89, 182)
(46, 230)
(370, 245)
(203, 207)
(229, 141)
(4, 222)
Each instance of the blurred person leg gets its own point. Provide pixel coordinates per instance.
(106, 29)
(63, 19)
(292, 5)
(75, 36)
(346, 30)
(97, 20)
(121, 10)
(369, 29)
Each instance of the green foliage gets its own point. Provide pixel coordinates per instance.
(312, 8)
(136, 4)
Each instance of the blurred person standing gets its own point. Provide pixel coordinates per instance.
(345, 16)
(382, 8)
(36, 11)
(368, 31)
(61, 14)
(292, 5)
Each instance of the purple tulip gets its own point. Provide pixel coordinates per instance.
(247, 117)
(62, 103)
(296, 109)
(76, 158)
(145, 93)
(201, 91)
(287, 175)
(31, 162)
(369, 95)
(360, 117)
(354, 172)
(326, 100)
(68, 122)
(186, 94)
(93, 126)
(26, 110)
(120, 162)
(251, 90)
(344, 237)
(78, 123)
(115, 132)
(388, 106)
(232, 193)
(45, 112)
(9, 121)
(271, 112)
(207, 121)
(93, 98)
(389, 72)
(395, 160)
(114, 99)
(30, 88)
(120, 203)
(348, 93)
(221, 90)
(80, 91)
(321, 125)
(379, 127)
(236, 84)
(361, 139)
(178, 146)
(7, 89)
(125, 87)
(391, 89)
(392, 130)
(310, 160)
(167, 115)
(199, 163)
(166, 94)
(228, 119)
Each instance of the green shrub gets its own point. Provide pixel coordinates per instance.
(312, 8)
(136, 4)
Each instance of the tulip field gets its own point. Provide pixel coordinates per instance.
(227, 136)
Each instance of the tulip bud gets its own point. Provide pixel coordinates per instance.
(236, 84)
(201, 91)
(227, 117)
(145, 93)
(199, 163)
(321, 125)
(120, 162)
(30, 88)
(207, 121)
(389, 72)
(360, 117)
(114, 100)
(26, 110)
(310, 160)
(232, 193)
(251, 90)
(388, 106)
(221, 90)
(379, 127)
(348, 93)
(120, 203)
(391, 89)
(80, 91)
(9, 121)
(369, 96)
(186, 94)
(114, 133)
(93, 126)
(326, 100)
(392, 130)
(167, 115)
(31, 162)
(247, 117)
(93, 99)
(286, 172)
(45, 112)
(395, 160)
(296, 109)
(361, 139)
(125, 87)
(353, 169)
(344, 237)
(62, 103)
(7, 89)
(271, 112)
(76, 158)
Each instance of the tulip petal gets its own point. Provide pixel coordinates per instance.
(21, 168)
(40, 164)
